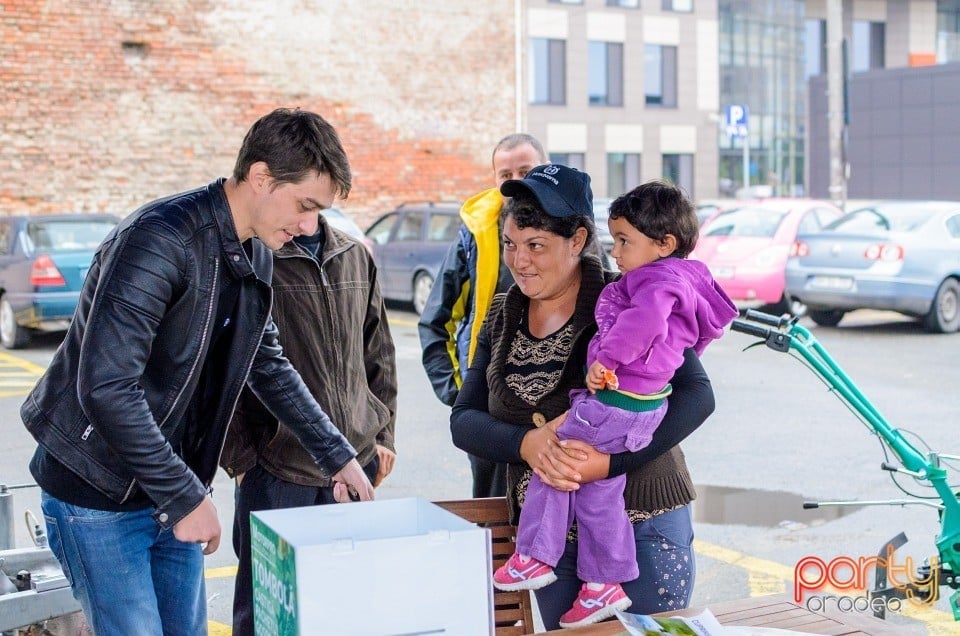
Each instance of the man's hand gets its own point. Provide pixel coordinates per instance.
(351, 479)
(200, 526)
(386, 457)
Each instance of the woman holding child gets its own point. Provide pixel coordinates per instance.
(532, 352)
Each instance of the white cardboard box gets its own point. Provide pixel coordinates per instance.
(378, 568)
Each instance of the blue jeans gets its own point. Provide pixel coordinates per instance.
(129, 575)
(667, 570)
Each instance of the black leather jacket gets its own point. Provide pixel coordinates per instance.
(120, 385)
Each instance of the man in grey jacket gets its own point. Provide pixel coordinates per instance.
(131, 414)
(333, 325)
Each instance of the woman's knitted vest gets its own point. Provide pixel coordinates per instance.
(663, 483)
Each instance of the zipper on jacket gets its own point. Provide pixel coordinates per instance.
(203, 339)
(86, 432)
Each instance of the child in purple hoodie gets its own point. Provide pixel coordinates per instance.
(661, 305)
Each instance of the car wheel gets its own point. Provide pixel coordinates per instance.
(12, 335)
(944, 315)
(422, 284)
(826, 318)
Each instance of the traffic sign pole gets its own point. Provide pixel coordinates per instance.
(746, 160)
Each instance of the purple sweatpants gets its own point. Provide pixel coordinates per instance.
(606, 543)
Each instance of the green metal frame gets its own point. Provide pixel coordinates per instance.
(790, 335)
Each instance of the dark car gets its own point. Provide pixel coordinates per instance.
(43, 261)
(339, 219)
(409, 245)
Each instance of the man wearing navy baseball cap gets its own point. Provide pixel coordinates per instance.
(561, 191)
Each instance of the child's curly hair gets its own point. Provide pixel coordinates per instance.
(658, 208)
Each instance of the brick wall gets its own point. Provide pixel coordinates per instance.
(106, 105)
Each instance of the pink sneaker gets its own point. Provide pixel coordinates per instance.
(592, 607)
(515, 575)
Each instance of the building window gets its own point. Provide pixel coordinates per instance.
(815, 47)
(548, 69)
(660, 75)
(685, 6)
(605, 81)
(868, 45)
(948, 31)
(624, 4)
(623, 172)
(679, 170)
(569, 159)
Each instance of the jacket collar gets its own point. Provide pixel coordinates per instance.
(234, 255)
(334, 242)
(482, 210)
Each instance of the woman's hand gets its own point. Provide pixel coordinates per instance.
(589, 463)
(563, 465)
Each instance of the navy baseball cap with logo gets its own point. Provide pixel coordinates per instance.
(561, 191)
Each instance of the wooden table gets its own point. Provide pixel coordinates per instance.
(777, 611)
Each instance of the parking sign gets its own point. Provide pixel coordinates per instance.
(737, 120)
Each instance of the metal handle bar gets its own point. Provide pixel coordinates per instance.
(769, 319)
(786, 334)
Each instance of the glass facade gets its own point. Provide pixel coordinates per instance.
(763, 66)
(948, 31)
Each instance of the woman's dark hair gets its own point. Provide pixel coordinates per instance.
(292, 143)
(526, 211)
(658, 208)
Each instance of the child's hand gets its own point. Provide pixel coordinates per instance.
(599, 377)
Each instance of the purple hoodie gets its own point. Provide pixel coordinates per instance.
(651, 314)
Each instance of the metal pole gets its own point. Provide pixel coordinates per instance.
(835, 70)
(6, 519)
(746, 159)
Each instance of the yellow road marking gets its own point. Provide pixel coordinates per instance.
(218, 629)
(402, 321)
(20, 363)
(18, 375)
(220, 573)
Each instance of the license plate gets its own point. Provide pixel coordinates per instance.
(837, 283)
(722, 272)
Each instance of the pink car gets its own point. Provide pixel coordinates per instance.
(746, 246)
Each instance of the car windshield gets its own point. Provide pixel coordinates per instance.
(758, 222)
(894, 218)
(66, 236)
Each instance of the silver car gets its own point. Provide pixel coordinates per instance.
(893, 255)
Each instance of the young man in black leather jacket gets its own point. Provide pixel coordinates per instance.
(173, 320)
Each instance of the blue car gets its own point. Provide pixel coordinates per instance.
(43, 261)
(899, 256)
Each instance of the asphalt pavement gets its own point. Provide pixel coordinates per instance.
(778, 437)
